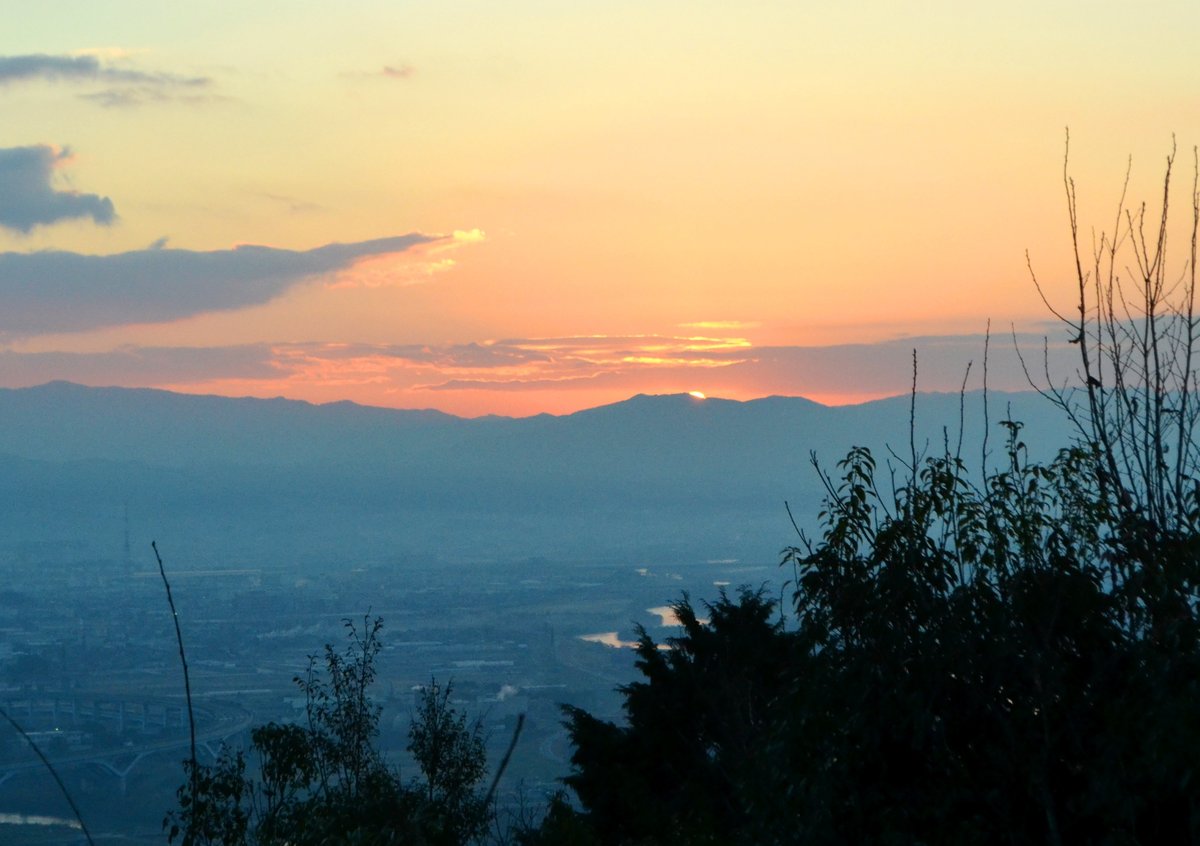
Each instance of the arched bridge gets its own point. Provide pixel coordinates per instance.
(115, 733)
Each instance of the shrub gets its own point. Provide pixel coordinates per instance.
(326, 783)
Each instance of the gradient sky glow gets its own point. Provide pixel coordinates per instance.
(542, 206)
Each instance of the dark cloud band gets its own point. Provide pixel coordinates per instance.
(63, 292)
(27, 195)
(57, 68)
(132, 366)
(850, 371)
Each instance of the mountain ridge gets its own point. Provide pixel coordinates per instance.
(293, 475)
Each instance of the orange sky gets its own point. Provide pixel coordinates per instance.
(613, 198)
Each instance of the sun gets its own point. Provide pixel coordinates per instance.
(697, 394)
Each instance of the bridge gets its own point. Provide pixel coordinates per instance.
(135, 728)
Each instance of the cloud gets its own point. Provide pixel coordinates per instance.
(55, 291)
(384, 274)
(591, 380)
(720, 324)
(292, 204)
(86, 67)
(853, 372)
(27, 195)
(733, 367)
(400, 72)
(450, 356)
(490, 365)
(565, 373)
(134, 367)
(568, 363)
(126, 86)
(141, 95)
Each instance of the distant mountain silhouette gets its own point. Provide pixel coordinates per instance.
(673, 464)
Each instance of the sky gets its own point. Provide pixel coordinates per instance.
(525, 207)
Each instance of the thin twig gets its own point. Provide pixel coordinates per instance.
(987, 340)
(512, 744)
(187, 684)
(962, 414)
(912, 417)
(792, 517)
(53, 772)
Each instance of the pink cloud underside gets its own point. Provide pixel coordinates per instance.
(558, 374)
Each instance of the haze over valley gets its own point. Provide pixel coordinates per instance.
(512, 556)
(513, 324)
(674, 476)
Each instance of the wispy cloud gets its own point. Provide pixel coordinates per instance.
(490, 365)
(732, 366)
(132, 366)
(719, 324)
(52, 68)
(124, 85)
(565, 373)
(400, 71)
(540, 363)
(293, 205)
(141, 95)
(28, 197)
(57, 291)
(381, 273)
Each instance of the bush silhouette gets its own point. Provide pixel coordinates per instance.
(990, 655)
(325, 782)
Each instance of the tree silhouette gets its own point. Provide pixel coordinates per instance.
(452, 761)
(325, 782)
(694, 727)
(996, 655)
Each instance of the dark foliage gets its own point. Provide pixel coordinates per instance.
(1010, 664)
(1005, 657)
(1010, 656)
(681, 766)
(451, 756)
(325, 783)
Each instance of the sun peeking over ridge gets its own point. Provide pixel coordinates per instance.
(697, 395)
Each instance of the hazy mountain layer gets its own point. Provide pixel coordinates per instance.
(652, 472)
